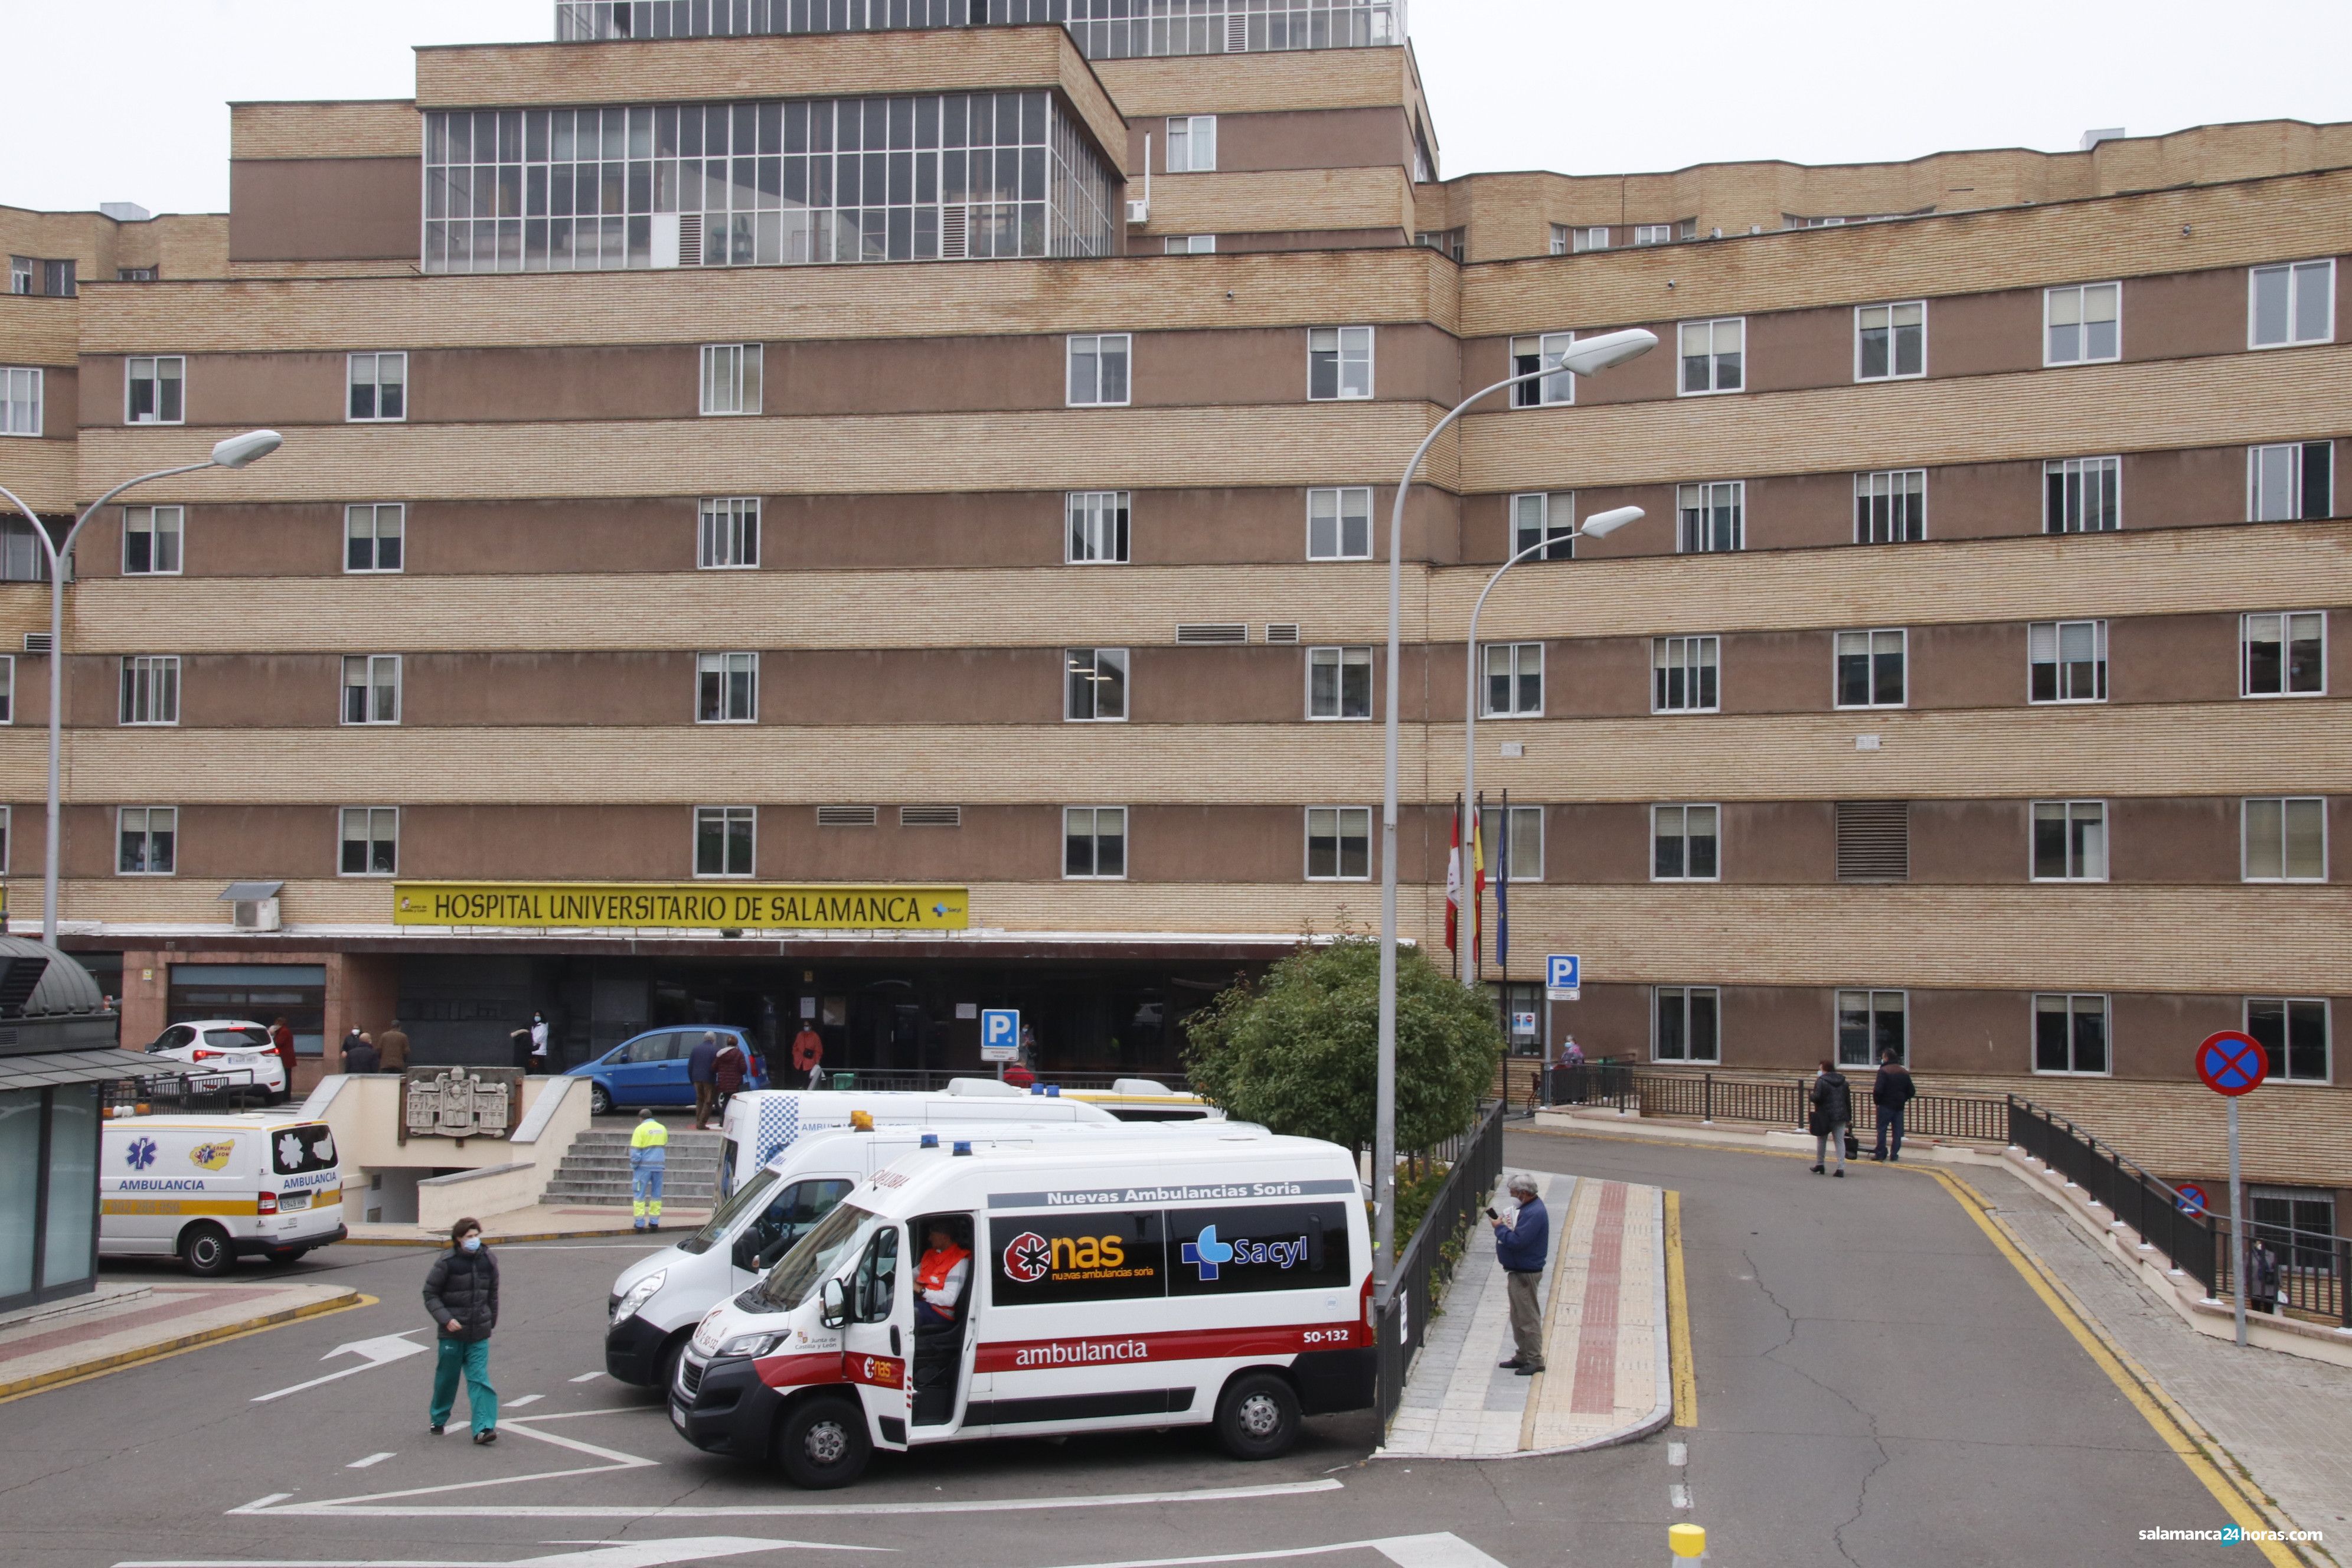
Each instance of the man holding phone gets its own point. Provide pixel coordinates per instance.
(1521, 1242)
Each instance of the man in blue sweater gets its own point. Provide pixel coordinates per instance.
(1521, 1242)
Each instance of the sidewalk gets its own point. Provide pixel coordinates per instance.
(1605, 1301)
(542, 1222)
(122, 1325)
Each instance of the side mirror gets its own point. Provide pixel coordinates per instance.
(837, 1304)
(747, 1252)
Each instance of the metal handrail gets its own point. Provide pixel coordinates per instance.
(1422, 1268)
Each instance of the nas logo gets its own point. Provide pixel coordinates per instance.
(1029, 1257)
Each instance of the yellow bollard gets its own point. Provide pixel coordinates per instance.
(1688, 1543)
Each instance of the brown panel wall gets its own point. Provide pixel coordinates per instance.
(1980, 666)
(1779, 841)
(977, 685)
(1969, 1032)
(1982, 334)
(651, 843)
(1792, 349)
(325, 209)
(1606, 1020)
(2172, 659)
(1598, 677)
(1969, 841)
(2172, 840)
(1793, 511)
(2155, 1036)
(60, 402)
(1981, 500)
(2183, 488)
(1597, 843)
(1298, 139)
(2174, 315)
(1777, 1029)
(448, 689)
(1775, 672)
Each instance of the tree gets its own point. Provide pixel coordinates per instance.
(1298, 1051)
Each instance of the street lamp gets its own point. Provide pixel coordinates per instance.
(232, 452)
(1585, 358)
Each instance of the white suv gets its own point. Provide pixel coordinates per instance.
(237, 1048)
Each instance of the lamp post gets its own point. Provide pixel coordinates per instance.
(1592, 355)
(233, 452)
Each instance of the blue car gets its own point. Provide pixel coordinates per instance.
(651, 1069)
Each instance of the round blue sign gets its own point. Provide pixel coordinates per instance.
(2191, 1198)
(2232, 1063)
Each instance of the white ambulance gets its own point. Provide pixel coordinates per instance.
(658, 1299)
(1193, 1280)
(213, 1189)
(762, 1124)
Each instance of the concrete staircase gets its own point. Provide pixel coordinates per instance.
(595, 1171)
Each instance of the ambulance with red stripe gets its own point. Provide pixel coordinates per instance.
(1203, 1281)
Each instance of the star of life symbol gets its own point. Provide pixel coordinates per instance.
(1028, 1257)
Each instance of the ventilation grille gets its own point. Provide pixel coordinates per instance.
(1873, 840)
(37, 642)
(1213, 632)
(1236, 32)
(951, 231)
(690, 239)
(846, 815)
(931, 816)
(1282, 631)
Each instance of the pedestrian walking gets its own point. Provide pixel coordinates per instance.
(1521, 1241)
(360, 1054)
(727, 1073)
(461, 1292)
(2261, 1278)
(282, 1035)
(700, 1063)
(1892, 1092)
(1831, 1115)
(648, 1153)
(538, 1032)
(808, 1052)
(392, 1049)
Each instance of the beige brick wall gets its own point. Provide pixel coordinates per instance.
(359, 128)
(1281, 200)
(1250, 84)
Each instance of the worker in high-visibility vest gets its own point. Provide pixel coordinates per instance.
(940, 1279)
(648, 1153)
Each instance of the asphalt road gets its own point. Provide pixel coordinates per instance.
(1876, 1385)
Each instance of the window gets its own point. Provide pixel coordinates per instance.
(2081, 495)
(1595, 236)
(1189, 245)
(31, 275)
(2298, 1222)
(146, 840)
(1097, 526)
(2288, 483)
(372, 536)
(1514, 680)
(150, 689)
(1095, 680)
(21, 557)
(1338, 362)
(4, 841)
(2285, 839)
(1714, 355)
(1339, 843)
(371, 836)
(1873, 840)
(1682, 844)
(152, 389)
(2283, 654)
(1546, 519)
(2080, 324)
(1544, 351)
(729, 533)
(1339, 524)
(1869, 1024)
(731, 377)
(1191, 143)
(1689, 1024)
(1890, 342)
(372, 689)
(58, 279)
(7, 716)
(379, 387)
(723, 837)
(2068, 661)
(2293, 1032)
(1870, 667)
(1525, 845)
(1339, 683)
(135, 275)
(727, 688)
(2291, 304)
(1683, 672)
(20, 401)
(1653, 233)
(1098, 369)
(2069, 841)
(1094, 842)
(2070, 1034)
(150, 540)
(1890, 507)
(1446, 242)
(20, 275)
(1714, 516)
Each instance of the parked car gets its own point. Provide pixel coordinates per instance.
(237, 1048)
(650, 1069)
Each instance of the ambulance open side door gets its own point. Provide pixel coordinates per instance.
(877, 1340)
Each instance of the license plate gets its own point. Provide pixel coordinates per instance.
(677, 1415)
(293, 1201)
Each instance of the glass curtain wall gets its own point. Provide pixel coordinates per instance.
(1104, 29)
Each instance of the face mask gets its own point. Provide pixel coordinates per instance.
(472, 1244)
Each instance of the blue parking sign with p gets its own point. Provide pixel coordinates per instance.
(1561, 971)
(999, 1034)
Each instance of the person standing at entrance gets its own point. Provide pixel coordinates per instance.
(1831, 1114)
(648, 1155)
(1521, 1243)
(461, 1292)
(1892, 1092)
(2261, 1278)
(282, 1035)
(727, 1073)
(808, 1052)
(539, 1058)
(700, 1064)
(391, 1050)
(360, 1054)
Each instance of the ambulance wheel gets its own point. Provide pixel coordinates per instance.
(287, 1256)
(670, 1355)
(600, 1099)
(823, 1444)
(1258, 1416)
(204, 1248)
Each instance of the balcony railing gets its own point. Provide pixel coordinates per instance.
(1104, 29)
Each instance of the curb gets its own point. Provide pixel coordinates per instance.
(123, 1359)
(443, 1241)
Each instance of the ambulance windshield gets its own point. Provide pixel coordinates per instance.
(812, 1260)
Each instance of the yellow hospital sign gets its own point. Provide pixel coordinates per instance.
(639, 906)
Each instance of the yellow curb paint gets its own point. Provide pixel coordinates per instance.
(2133, 1383)
(43, 1383)
(1678, 1329)
(1656, 1142)
(1587, 1192)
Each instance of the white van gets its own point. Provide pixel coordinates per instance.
(764, 1123)
(659, 1299)
(213, 1189)
(1142, 1100)
(1141, 1282)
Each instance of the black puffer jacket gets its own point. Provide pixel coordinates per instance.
(464, 1286)
(1832, 1104)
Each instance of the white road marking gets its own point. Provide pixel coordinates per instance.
(523, 1426)
(1678, 1453)
(1439, 1550)
(381, 1350)
(588, 1377)
(620, 1555)
(1678, 1496)
(520, 1401)
(371, 1459)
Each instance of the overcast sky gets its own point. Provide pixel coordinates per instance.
(123, 99)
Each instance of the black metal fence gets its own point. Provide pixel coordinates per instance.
(1722, 1097)
(1423, 1268)
(239, 1088)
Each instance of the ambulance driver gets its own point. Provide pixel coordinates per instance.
(940, 1281)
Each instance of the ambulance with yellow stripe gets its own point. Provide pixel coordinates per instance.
(211, 1189)
(1114, 1284)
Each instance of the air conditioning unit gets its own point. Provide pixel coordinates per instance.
(37, 642)
(253, 914)
(1138, 212)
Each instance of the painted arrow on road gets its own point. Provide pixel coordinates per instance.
(382, 1351)
(621, 1554)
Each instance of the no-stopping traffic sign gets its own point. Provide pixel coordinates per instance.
(2233, 1063)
